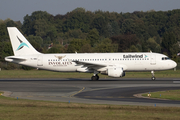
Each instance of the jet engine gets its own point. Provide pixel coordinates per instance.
(116, 72)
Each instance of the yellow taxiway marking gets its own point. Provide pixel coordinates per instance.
(105, 97)
(120, 97)
(41, 96)
(109, 97)
(63, 96)
(77, 92)
(29, 96)
(98, 97)
(87, 96)
(52, 96)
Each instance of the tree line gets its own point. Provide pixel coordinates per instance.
(100, 31)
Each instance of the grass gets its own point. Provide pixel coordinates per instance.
(170, 94)
(41, 110)
(50, 74)
(21, 109)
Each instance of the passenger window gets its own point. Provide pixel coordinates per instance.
(167, 58)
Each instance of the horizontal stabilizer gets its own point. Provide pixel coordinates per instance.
(12, 58)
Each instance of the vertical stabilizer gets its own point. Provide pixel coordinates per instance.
(20, 44)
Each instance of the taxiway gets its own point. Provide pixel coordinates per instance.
(105, 91)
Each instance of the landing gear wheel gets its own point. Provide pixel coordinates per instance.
(97, 77)
(153, 78)
(93, 78)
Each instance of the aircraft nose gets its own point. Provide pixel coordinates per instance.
(173, 64)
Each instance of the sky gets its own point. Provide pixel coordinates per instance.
(17, 9)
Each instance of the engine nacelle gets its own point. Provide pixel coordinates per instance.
(116, 72)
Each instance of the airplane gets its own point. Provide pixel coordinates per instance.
(111, 64)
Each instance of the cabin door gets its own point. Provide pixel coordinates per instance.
(153, 59)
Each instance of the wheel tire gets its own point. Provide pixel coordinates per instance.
(93, 78)
(153, 78)
(97, 77)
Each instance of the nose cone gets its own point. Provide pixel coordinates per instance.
(173, 64)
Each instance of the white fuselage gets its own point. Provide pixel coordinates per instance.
(144, 61)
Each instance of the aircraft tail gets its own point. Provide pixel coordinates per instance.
(20, 44)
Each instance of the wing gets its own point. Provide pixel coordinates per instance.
(90, 65)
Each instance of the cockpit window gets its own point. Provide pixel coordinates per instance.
(165, 58)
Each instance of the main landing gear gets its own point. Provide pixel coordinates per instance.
(95, 76)
(153, 78)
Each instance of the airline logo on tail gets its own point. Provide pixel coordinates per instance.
(21, 45)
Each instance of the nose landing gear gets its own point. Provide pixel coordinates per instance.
(153, 77)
